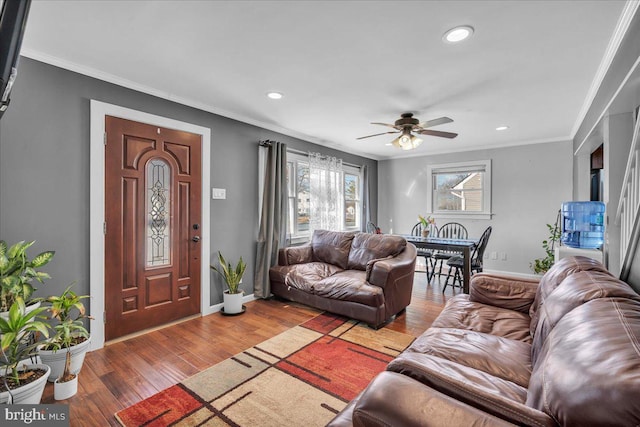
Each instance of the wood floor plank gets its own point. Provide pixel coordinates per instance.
(126, 372)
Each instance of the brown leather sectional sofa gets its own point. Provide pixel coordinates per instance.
(367, 277)
(561, 351)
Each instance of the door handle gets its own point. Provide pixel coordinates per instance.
(195, 238)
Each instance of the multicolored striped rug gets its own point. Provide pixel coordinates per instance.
(301, 377)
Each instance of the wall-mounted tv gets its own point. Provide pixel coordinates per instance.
(13, 21)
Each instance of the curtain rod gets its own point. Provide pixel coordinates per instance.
(267, 143)
(306, 153)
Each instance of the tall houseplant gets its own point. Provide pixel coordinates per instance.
(21, 384)
(17, 272)
(64, 352)
(232, 277)
(541, 265)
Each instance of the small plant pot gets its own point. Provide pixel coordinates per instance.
(232, 302)
(64, 390)
(28, 394)
(56, 359)
(425, 233)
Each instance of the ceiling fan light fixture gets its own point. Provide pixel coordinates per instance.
(458, 34)
(406, 141)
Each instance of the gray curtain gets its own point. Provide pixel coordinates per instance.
(273, 219)
(365, 215)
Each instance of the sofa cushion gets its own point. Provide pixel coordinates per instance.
(588, 372)
(503, 291)
(332, 247)
(556, 274)
(498, 356)
(366, 247)
(302, 276)
(574, 291)
(461, 313)
(350, 285)
(472, 386)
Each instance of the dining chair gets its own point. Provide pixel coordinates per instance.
(457, 261)
(426, 253)
(450, 230)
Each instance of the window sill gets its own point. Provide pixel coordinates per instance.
(443, 215)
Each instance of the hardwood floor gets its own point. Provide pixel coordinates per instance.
(126, 372)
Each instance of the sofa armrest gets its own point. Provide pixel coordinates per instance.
(510, 292)
(295, 255)
(393, 399)
(382, 271)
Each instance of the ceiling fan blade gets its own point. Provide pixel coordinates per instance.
(435, 122)
(377, 134)
(384, 124)
(437, 133)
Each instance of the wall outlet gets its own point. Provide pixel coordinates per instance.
(503, 256)
(218, 193)
(494, 255)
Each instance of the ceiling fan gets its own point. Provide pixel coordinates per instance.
(407, 124)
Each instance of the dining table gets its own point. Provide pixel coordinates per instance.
(464, 246)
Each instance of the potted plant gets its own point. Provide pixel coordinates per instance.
(64, 352)
(21, 384)
(541, 265)
(17, 272)
(232, 276)
(425, 222)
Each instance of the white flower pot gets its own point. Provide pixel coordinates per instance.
(56, 359)
(65, 390)
(232, 302)
(28, 394)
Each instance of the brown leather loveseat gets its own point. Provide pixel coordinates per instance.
(561, 351)
(367, 277)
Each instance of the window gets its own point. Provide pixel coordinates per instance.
(298, 189)
(352, 202)
(460, 189)
(298, 184)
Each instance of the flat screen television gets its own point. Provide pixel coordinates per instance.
(13, 21)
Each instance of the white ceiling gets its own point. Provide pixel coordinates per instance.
(531, 65)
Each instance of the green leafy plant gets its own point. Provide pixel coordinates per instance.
(69, 311)
(426, 221)
(18, 341)
(232, 275)
(17, 272)
(541, 265)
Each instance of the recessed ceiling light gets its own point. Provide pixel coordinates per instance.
(274, 95)
(502, 128)
(457, 34)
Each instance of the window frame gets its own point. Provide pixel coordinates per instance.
(357, 172)
(302, 237)
(480, 165)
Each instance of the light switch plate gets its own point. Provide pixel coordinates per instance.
(218, 193)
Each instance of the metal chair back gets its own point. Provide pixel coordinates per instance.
(478, 252)
(371, 227)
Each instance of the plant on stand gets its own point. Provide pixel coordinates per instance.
(64, 352)
(21, 384)
(232, 276)
(17, 272)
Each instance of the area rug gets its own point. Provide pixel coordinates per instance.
(301, 377)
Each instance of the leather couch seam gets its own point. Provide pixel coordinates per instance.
(484, 399)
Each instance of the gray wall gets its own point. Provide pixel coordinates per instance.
(44, 170)
(529, 183)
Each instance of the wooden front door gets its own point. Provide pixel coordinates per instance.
(152, 231)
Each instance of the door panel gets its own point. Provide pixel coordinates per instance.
(152, 250)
